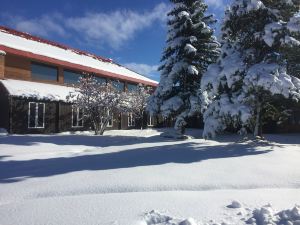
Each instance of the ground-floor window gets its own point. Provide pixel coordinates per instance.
(150, 121)
(131, 120)
(36, 115)
(110, 121)
(77, 117)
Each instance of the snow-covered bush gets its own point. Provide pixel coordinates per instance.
(190, 48)
(254, 67)
(97, 100)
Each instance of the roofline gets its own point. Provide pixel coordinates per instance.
(55, 44)
(74, 66)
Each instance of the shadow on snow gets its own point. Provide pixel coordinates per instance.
(181, 153)
(85, 140)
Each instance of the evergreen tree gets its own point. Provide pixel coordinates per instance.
(190, 48)
(255, 67)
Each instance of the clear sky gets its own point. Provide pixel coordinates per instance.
(131, 32)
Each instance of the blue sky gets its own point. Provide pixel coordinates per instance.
(131, 32)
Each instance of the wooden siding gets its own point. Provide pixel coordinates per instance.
(17, 67)
(19, 117)
(2, 66)
(4, 108)
(60, 75)
(73, 66)
(65, 119)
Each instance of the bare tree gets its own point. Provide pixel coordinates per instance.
(135, 102)
(97, 100)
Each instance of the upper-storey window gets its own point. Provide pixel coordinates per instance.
(131, 87)
(43, 72)
(118, 85)
(100, 80)
(71, 77)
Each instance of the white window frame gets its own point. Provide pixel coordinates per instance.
(111, 121)
(77, 119)
(150, 124)
(131, 120)
(36, 115)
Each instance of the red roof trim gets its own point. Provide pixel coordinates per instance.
(38, 39)
(73, 65)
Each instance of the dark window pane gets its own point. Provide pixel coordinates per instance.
(71, 77)
(80, 118)
(110, 120)
(32, 111)
(74, 117)
(43, 72)
(131, 87)
(118, 85)
(40, 122)
(100, 80)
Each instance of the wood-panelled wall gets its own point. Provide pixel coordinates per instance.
(17, 68)
(2, 66)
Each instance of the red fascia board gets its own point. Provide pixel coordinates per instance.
(73, 65)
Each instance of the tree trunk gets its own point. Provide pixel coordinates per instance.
(96, 128)
(142, 120)
(182, 130)
(258, 120)
(103, 126)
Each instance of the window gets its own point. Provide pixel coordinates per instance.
(77, 117)
(71, 77)
(131, 87)
(110, 121)
(43, 72)
(150, 121)
(100, 80)
(131, 121)
(36, 115)
(118, 85)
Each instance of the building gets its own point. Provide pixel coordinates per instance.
(35, 80)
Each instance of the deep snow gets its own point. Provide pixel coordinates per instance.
(121, 177)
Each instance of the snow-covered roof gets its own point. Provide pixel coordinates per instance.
(28, 43)
(40, 91)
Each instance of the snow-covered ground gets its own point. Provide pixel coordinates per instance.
(118, 179)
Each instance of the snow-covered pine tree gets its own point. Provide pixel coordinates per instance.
(190, 48)
(253, 68)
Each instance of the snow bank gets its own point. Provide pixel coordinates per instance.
(3, 132)
(267, 216)
(235, 205)
(39, 91)
(156, 218)
(263, 216)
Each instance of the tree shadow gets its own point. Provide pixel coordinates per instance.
(181, 153)
(292, 138)
(85, 140)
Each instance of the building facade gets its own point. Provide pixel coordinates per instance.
(36, 76)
